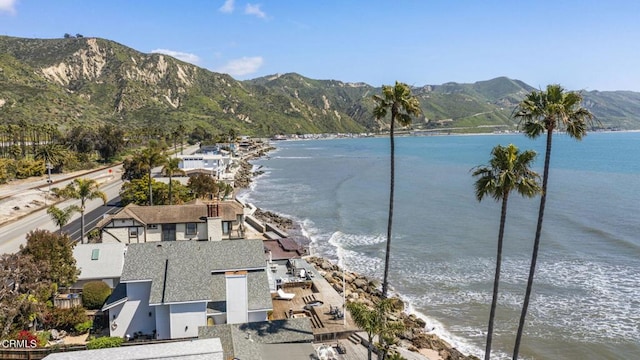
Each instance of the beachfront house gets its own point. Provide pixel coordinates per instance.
(216, 164)
(203, 222)
(169, 289)
(99, 262)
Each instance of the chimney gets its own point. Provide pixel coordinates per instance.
(237, 297)
(212, 210)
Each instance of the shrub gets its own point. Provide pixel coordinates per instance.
(66, 319)
(94, 294)
(104, 342)
(83, 327)
(27, 336)
(43, 338)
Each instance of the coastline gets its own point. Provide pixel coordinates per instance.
(420, 335)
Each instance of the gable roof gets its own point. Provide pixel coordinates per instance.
(174, 214)
(188, 271)
(99, 261)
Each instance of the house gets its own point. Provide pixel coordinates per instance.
(215, 164)
(102, 262)
(209, 349)
(169, 289)
(206, 222)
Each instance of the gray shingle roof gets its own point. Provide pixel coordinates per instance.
(182, 271)
(246, 341)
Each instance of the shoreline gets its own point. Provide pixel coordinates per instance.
(419, 337)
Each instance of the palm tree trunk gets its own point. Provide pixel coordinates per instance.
(496, 280)
(81, 226)
(170, 191)
(385, 283)
(150, 190)
(536, 245)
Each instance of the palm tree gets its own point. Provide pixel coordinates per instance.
(51, 154)
(83, 190)
(508, 170)
(171, 167)
(62, 216)
(402, 104)
(374, 321)
(151, 157)
(546, 111)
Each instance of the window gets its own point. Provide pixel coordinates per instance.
(152, 226)
(226, 227)
(95, 254)
(191, 228)
(133, 232)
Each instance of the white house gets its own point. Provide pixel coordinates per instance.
(215, 164)
(169, 289)
(206, 222)
(102, 262)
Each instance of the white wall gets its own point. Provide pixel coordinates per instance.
(237, 298)
(214, 229)
(256, 316)
(185, 319)
(163, 323)
(133, 316)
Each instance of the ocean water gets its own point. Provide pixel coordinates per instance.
(586, 296)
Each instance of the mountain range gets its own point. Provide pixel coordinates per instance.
(89, 81)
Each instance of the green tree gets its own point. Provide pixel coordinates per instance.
(56, 250)
(171, 167)
(508, 170)
(374, 321)
(109, 142)
(540, 112)
(202, 185)
(62, 216)
(134, 168)
(151, 157)
(403, 105)
(24, 290)
(83, 190)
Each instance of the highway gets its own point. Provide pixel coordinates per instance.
(13, 234)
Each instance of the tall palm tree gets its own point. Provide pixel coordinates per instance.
(403, 105)
(171, 167)
(62, 216)
(540, 112)
(508, 170)
(151, 157)
(83, 190)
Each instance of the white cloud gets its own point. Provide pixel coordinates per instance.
(227, 7)
(251, 9)
(242, 66)
(8, 6)
(186, 57)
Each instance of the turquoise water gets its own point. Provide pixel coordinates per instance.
(586, 299)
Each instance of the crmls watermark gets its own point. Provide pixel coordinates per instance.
(19, 344)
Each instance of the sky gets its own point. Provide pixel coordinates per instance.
(581, 44)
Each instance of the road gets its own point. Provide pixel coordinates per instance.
(14, 234)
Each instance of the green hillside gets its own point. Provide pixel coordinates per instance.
(91, 81)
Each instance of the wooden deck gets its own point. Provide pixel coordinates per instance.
(325, 326)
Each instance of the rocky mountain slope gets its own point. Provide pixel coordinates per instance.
(73, 81)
